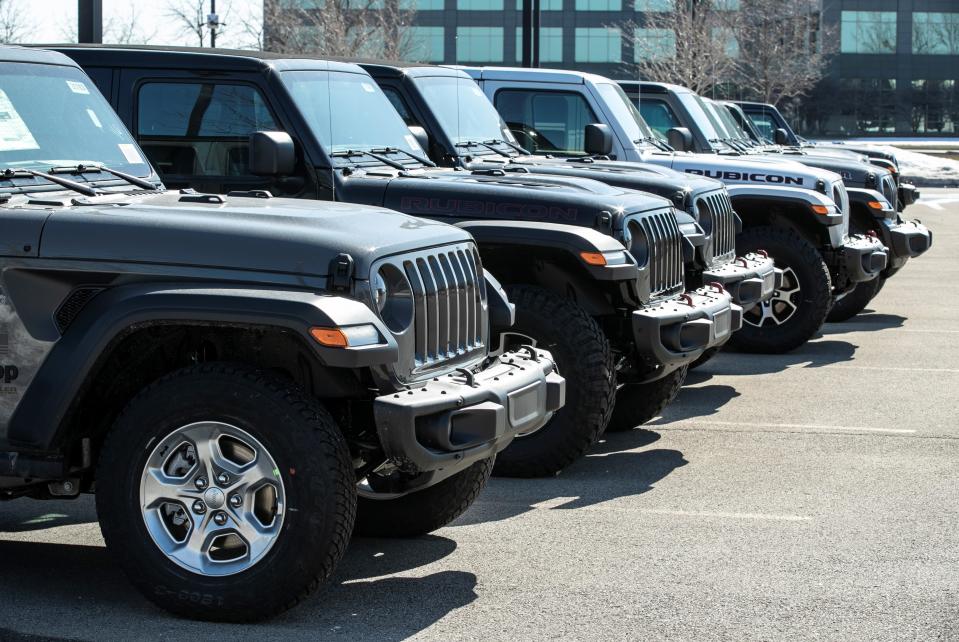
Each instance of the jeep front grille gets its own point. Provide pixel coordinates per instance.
(449, 301)
(722, 225)
(888, 188)
(665, 252)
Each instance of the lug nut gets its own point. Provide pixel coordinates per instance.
(199, 507)
(236, 501)
(219, 519)
(223, 479)
(201, 483)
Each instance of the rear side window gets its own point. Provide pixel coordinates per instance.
(546, 121)
(658, 115)
(200, 129)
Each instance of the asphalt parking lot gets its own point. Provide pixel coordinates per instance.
(813, 495)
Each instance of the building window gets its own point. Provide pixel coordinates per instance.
(550, 44)
(479, 44)
(653, 44)
(422, 5)
(599, 5)
(868, 32)
(866, 106)
(426, 44)
(544, 5)
(935, 106)
(479, 5)
(650, 6)
(602, 44)
(935, 33)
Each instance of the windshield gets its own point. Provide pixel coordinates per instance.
(726, 120)
(701, 118)
(348, 112)
(52, 116)
(625, 112)
(464, 112)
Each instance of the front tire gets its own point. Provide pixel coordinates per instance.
(854, 302)
(423, 511)
(176, 460)
(582, 354)
(799, 308)
(637, 403)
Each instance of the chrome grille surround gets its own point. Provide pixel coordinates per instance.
(450, 325)
(665, 252)
(717, 208)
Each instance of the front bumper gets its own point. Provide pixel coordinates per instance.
(906, 240)
(446, 424)
(861, 258)
(908, 194)
(748, 279)
(676, 332)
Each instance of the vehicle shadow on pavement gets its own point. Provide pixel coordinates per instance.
(696, 402)
(53, 589)
(24, 515)
(866, 321)
(814, 354)
(613, 469)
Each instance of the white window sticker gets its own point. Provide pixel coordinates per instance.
(368, 88)
(14, 134)
(77, 87)
(411, 141)
(130, 153)
(93, 117)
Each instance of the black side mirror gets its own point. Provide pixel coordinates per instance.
(272, 154)
(679, 139)
(781, 137)
(599, 140)
(422, 138)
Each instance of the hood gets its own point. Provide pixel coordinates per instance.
(854, 172)
(512, 193)
(752, 170)
(252, 234)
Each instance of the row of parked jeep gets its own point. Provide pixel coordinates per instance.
(260, 304)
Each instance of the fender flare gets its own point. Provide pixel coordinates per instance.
(112, 314)
(572, 240)
(804, 198)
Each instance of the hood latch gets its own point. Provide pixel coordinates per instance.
(341, 273)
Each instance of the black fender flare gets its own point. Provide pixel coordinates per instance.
(570, 239)
(112, 314)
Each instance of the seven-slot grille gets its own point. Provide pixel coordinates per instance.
(665, 252)
(449, 320)
(723, 227)
(888, 188)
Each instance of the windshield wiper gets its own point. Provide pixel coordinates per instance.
(81, 168)
(62, 182)
(397, 150)
(655, 142)
(500, 141)
(476, 143)
(348, 153)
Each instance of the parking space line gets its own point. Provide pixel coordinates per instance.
(820, 427)
(695, 513)
(892, 369)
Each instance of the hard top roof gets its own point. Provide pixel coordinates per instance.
(13, 53)
(397, 69)
(196, 58)
(653, 87)
(534, 75)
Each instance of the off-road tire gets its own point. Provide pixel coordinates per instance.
(790, 250)
(706, 356)
(423, 511)
(637, 403)
(854, 302)
(582, 355)
(313, 462)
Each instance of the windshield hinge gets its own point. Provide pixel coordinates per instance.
(341, 273)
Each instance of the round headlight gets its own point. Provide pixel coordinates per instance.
(637, 242)
(393, 297)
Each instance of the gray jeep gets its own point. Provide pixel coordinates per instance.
(239, 378)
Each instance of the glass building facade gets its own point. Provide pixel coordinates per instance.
(896, 70)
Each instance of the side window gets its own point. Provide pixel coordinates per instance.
(546, 121)
(764, 124)
(658, 115)
(200, 129)
(400, 106)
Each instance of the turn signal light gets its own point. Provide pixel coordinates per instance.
(821, 209)
(330, 337)
(876, 205)
(593, 258)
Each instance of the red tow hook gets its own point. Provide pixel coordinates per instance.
(687, 299)
(743, 259)
(764, 253)
(718, 286)
(872, 233)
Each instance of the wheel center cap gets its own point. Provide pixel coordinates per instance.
(214, 498)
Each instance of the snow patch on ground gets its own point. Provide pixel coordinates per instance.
(924, 169)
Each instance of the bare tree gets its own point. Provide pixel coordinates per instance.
(191, 16)
(128, 30)
(13, 24)
(689, 44)
(364, 28)
(784, 48)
